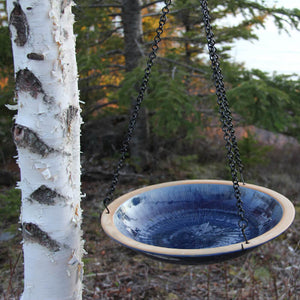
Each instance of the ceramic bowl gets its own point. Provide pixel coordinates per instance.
(196, 221)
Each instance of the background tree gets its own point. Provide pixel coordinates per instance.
(184, 41)
(103, 59)
(269, 101)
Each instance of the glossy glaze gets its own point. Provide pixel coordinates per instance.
(194, 216)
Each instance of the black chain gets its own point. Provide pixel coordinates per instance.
(233, 155)
(140, 98)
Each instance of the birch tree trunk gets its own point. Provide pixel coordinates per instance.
(46, 132)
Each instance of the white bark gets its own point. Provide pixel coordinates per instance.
(47, 134)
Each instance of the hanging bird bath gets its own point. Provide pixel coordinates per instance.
(201, 221)
(195, 221)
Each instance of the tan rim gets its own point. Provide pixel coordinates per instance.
(112, 231)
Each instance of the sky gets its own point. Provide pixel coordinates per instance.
(274, 51)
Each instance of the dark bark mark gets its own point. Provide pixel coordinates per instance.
(26, 138)
(71, 114)
(19, 21)
(32, 233)
(45, 195)
(66, 34)
(26, 81)
(64, 4)
(35, 56)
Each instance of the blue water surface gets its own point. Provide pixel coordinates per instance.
(195, 216)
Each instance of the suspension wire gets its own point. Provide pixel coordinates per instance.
(140, 98)
(233, 154)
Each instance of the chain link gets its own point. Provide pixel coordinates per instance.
(233, 155)
(136, 109)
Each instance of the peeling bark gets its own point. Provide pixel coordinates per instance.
(64, 4)
(70, 115)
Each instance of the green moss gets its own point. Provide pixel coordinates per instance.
(10, 202)
(262, 273)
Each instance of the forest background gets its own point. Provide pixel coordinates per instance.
(178, 136)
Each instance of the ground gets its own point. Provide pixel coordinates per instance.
(115, 272)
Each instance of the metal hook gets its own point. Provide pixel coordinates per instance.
(105, 201)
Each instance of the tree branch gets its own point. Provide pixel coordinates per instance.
(99, 87)
(90, 77)
(106, 5)
(97, 106)
(151, 3)
(159, 13)
(112, 52)
(118, 66)
(107, 35)
(182, 65)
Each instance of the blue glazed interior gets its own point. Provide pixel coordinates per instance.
(195, 216)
